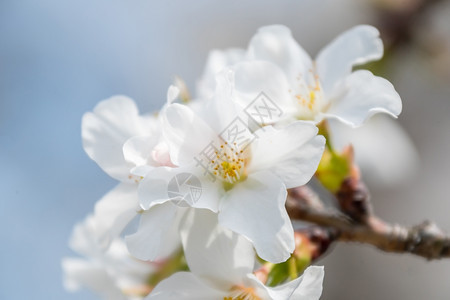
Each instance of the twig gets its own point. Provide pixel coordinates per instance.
(362, 226)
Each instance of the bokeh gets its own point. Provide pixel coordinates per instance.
(58, 59)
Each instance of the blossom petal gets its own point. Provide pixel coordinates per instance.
(114, 211)
(217, 61)
(220, 111)
(84, 239)
(306, 287)
(356, 46)
(185, 186)
(127, 271)
(153, 189)
(255, 77)
(215, 252)
(80, 273)
(292, 153)
(255, 208)
(310, 286)
(184, 286)
(152, 235)
(275, 44)
(107, 128)
(259, 289)
(138, 149)
(362, 95)
(186, 134)
(172, 94)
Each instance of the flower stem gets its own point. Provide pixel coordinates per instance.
(324, 129)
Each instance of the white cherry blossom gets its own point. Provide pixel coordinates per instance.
(385, 153)
(245, 183)
(113, 274)
(305, 89)
(222, 263)
(326, 87)
(126, 145)
(210, 177)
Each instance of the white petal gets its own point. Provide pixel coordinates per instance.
(185, 186)
(153, 189)
(80, 273)
(161, 154)
(184, 286)
(356, 46)
(215, 252)
(127, 271)
(255, 208)
(138, 149)
(84, 239)
(276, 44)
(256, 77)
(107, 128)
(362, 95)
(251, 281)
(217, 61)
(306, 287)
(185, 133)
(310, 286)
(172, 94)
(220, 111)
(210, 195)
(292, 153)
(152, 235)
(114, 211)
(141, 171)
(172, 239)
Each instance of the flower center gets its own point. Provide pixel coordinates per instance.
(229, 163)
(242, 293)
(309, 97)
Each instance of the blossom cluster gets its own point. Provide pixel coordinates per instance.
(208, 177)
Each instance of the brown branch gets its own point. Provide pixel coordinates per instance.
(425, 240)
(398, 23)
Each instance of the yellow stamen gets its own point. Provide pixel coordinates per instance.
(242, 293)
(229, 165)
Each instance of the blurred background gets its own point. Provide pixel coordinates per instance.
(58, 59)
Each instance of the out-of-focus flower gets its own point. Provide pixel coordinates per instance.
(113, 274)
(384, 152)
(305, 89)
(126, 145)
(222, 263)
(324, 88)
(243, 178)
